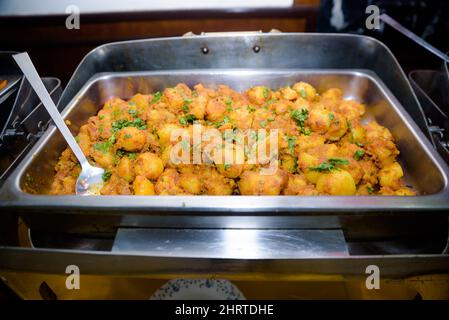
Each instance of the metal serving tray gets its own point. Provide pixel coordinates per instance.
(26, 122)
(424, 169)
(361, 217)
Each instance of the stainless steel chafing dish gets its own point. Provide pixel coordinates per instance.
(363, 67)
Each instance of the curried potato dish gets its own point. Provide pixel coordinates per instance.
(322, 146)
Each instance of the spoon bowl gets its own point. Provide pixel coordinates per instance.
(90, 181)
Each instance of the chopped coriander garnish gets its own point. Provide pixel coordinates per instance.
(120, 124)
(306, 131)
(101, 117)
(291, 141)
(266, 92)
(133, 112)
(116, 113)
(157, 97)
(338, 161)
(323, 167)
(251, 108)
(331, 116)
(132, 155)
(102, 146)
(227, 166)
(270, 119)
(229, 105)
(128, 136)
(106, 175)
(263, 123)
(358, 155)
(329, 165)
(359, 144)
(271, 101)
(300, 116)
(370, 189)
(111, 139)
(120, 153)
(188, 118)
(303, 93)
(185, 106)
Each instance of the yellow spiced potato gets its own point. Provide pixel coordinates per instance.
(143, 187)
(323, 144)
(149, 165)
(338, 183)
(131, 139)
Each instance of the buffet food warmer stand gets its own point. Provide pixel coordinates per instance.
(125, 247)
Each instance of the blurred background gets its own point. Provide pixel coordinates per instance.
(40, 27)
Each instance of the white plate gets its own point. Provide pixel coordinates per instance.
(198, 289)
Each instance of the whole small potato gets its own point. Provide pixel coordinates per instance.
(390, 176)
(259, 94)
(305, 90)
(337, 183)
(149, 165)
(190, 182)
(143, 187)
(125, 169)
(131, 139)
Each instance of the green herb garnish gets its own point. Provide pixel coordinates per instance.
(263, 123)
(123, 123)
(329, 165)
(106, 175)
(266, 92)
(157, 97)
(303, 93)
(188, 118)
(133, 112)
(300, 116)
(251, 108)
(229, 104)
(291, 141)
(331, 116)
(103, 146)
(358, 155)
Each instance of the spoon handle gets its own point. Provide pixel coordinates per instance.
(396, 25)
(28, 69)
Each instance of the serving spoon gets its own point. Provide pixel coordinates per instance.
(90, 180)
(406, 32)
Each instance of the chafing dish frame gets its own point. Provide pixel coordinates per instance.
(226, 52)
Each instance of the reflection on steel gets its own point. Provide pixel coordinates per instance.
(231, 243)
